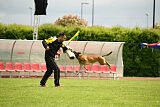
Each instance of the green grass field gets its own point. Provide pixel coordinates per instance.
(79, 93)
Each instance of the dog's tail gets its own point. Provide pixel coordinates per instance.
(107, 54)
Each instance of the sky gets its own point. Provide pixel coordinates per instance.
(108, 13)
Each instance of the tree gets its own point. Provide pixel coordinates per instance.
(71, 20)
(157, 26)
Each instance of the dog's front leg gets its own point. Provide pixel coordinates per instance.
(79, 69)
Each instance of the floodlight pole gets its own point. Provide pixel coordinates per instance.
(147, 19)
(82, 9)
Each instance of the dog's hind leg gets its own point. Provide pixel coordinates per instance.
(108, 64)
(103, 62)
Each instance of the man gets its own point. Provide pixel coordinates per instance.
(52, 45)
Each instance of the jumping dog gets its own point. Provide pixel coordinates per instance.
(86, 60)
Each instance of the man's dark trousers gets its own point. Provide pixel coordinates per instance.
(51, 65)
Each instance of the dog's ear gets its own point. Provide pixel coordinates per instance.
(76, 52)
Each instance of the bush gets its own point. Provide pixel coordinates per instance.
(16, 32)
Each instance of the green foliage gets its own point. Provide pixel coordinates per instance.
(137, 61)
(15, 32)
(47, 30)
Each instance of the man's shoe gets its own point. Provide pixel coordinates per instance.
(43, 86)
(59, 86)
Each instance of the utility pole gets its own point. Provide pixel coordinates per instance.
(92, 12)
(154, 14)
(31, 14)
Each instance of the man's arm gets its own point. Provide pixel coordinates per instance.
(45, 45)
(64, 47)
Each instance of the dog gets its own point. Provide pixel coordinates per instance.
(86, 60)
